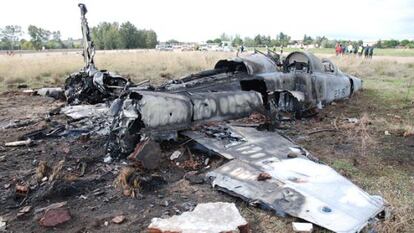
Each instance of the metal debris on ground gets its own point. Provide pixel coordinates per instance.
(298, 186)
(19, 143)
(53, 92)
(215, 217)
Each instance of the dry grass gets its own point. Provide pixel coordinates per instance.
(45, 69)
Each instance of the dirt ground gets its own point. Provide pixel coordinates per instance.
(88, 186)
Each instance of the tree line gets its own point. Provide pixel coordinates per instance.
(105, 35)
(284, 40)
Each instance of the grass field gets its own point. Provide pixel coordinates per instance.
(385, 161)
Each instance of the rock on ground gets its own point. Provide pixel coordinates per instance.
(205, 218)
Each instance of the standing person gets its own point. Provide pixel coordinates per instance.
(337, 49)
(241, 48)
(342, 49)
(371, 51)
(360, 50)
(350, 48)
(366, 51)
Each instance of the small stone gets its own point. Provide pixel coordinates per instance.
(106, 223)
(6, 186)
(206, 161)
(108, 159)
(118, 219)
(193, 178)
(3, 224)
(386, 133)
(54, 217)
(302, 227)
(175, 155)
(226, 218)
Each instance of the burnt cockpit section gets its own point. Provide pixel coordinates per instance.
(252, 64)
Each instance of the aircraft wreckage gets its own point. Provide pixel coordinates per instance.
(134, 115)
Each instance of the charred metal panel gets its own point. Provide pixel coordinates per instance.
(163, 109)
(225, 105)
(251, 145)
(239, 179)
(298, 186)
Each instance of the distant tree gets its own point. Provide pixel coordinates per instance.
(129, 36)
(210, 41)
(55, 42)
(173, 41)
(257, 40)
(39, 36)
(404, 43)
(217, 41)
(249, 42)
(390, 43)
(282, 39)
(10, 35)
(150, 39)
(106, 36)
(225, 37)
(26, 45)
(237, 41)
(307, 40)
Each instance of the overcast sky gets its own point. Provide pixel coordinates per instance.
(192, 20)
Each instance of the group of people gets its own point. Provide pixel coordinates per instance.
(366, 51)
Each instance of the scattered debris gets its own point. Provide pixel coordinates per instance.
(25, 209)
(175, 155)
(264, 176)
(19, 143)
(353, 120)
(54, 92)
(42, 171)
(22, 190)
(408, 133)
(215, 217)
(54, 217)
(148, 153)
(194, 178)
(19, 123)
(302, 227)
(118, 219)
(51, 206)
(3, 224)
(132, 181)
(57, 171)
